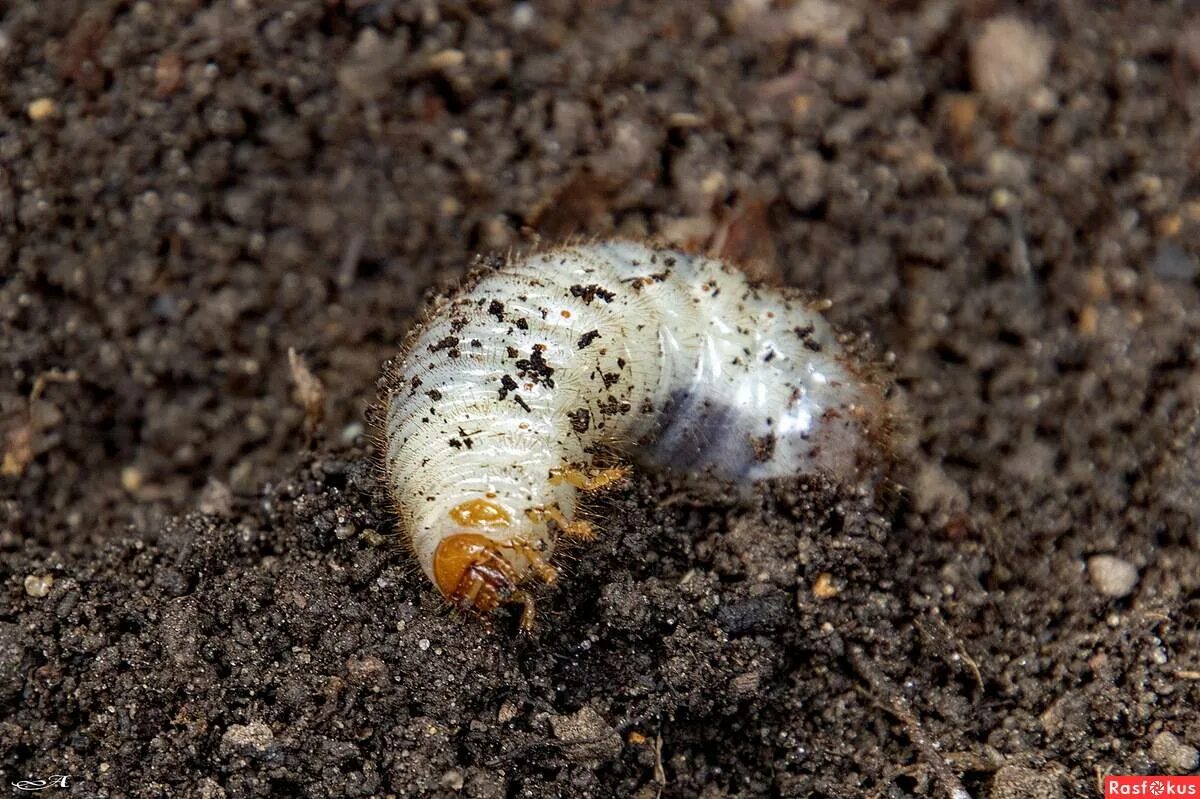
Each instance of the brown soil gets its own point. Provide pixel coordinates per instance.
(188, 190)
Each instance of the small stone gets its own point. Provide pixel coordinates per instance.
(934, 490)
(18, 451)
(587, 737)
(209, 788)
(746, 684)
(132, 478)
(497, 233)
(255, 736)
(351, 432)
(823, 587)
(1009, 59)
(1007, 168)
(1172, 262)
(633, 144)
(1112, 576)
(1031, 462)
(523, 16)
(168, 74)
(369, 671)
(446, 59)
(508, 711)
(685, 119)
(215, 499)
(828, 24)
(42, 108)
(43, 415)
(38, 585)
(369, 71)
(1173, 754)
(687, 230)
(713, 183)
(1068, 713)
(1089, 320)
(962, 112)
(452, 780)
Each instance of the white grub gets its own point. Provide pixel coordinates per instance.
(541, 373)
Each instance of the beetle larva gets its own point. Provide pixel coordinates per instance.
(513, 395)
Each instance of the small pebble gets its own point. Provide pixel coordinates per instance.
(1173, 754)
(446, 59)
(351, 432)
(523, 16)
(823, 587)
(746, 684)
(368, 70)
(827, 23)
(42, 108)
(208, 788)
(1172, 262)
(1112, 576)
(168, 74)
(38, 585)
(1009, 59)
(586, 736)
(255, 736)
(216, 499)
(132, 478)
(453, 780)
(508, 711)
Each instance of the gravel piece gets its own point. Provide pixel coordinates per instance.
(1112, 576)
(1174, 755)
(1009, 59)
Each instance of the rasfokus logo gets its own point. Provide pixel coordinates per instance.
(1151, 786)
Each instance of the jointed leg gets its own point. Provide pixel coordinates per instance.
(544, 571)
(590, 480)
(528, 614)
(579, 529)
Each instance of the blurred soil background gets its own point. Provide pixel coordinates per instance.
(201, 599)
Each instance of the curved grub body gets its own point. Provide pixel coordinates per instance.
(517, 390)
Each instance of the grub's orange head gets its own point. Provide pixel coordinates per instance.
(471, 571)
